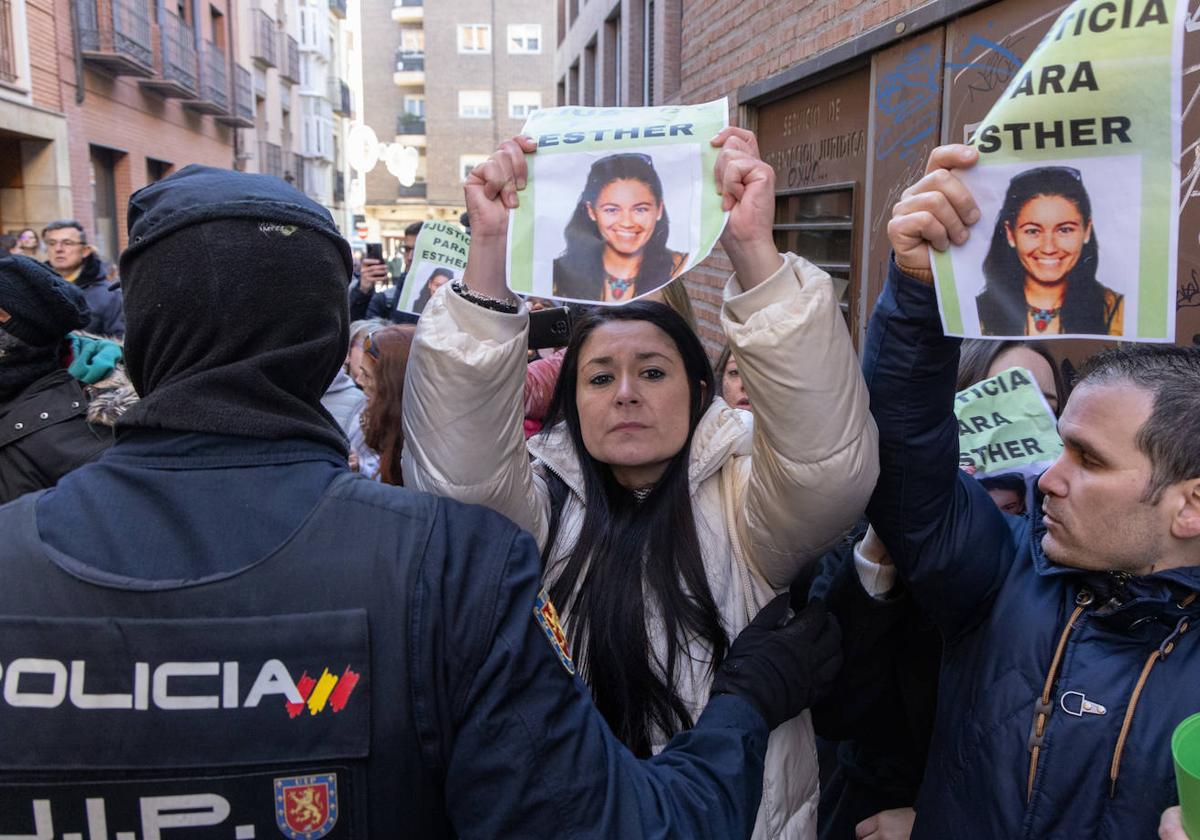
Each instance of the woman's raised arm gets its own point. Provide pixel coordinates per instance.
(815, 454)
(463, 399)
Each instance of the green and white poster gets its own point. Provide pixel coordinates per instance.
(439, 257)
(619, 201)
(1078, 184)
(1006, 426)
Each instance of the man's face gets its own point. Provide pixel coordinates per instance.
(1095, 514)
(410, 248)
(66, 249)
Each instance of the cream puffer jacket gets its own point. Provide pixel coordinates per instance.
(771, 492)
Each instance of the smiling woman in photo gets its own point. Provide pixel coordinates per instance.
(1041, 266)
(617, 236)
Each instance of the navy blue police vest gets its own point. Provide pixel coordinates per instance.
(271, 701)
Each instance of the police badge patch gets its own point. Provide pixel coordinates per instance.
(306, 806)
(547, 617)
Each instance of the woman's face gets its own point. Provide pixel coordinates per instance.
(1035, 364)
(436, 281)
(631, 390)
(731, 386)
(1048, 235)
(354, 360)
(366, 377)
(27, 240)
(625, 213)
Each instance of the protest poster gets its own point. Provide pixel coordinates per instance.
(1005, 426)
(439, 257)
(618, 202)
(1077, 184)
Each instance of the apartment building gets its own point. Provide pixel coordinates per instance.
(100, 97)
(303, 54)
(463, 78)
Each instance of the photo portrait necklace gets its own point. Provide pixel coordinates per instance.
(1042, 318)
(618, 286)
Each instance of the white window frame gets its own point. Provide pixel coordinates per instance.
(519, 35)
(414, 97)
(474, 112)
(20, 90)
(484, 28)
(468, 162)
(520, 110)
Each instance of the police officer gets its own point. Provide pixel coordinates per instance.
(254, 640)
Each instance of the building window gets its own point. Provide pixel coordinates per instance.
(412, 41)
(474, 38)
(475, 104)
(818, 223)
(414, 104)
(156, 170)
(648, 36)
(104, 202)
(522, 103)
(524, 38)
(468, 162)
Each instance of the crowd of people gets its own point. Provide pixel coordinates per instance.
(613, 586)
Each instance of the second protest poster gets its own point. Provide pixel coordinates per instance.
(619, 201)
(1077, 184)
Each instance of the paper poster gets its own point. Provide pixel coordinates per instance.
(1006, 426)
(619, 201)
(439, 257)
(1077, 185)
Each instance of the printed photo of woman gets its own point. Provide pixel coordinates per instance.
(617, 237)
(1041, 266)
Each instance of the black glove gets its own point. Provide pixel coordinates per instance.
(783, 670)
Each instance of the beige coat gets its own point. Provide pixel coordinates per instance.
(771, 492)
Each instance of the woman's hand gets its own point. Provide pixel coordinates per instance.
(747, 187)
(491, 191)
(935, 211)
(896, 824)
(1170, 827)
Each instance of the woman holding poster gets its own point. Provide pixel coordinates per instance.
(617, 237)
(1041, 266)
(666, 519)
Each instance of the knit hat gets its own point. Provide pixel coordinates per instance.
(41, 307)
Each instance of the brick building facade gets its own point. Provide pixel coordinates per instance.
(847, 98)
(100, 97)
(464, 75)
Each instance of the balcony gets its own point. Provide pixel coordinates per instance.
(243, 100)
(116, 35)
(214, 82)
(339, 188)
(289, 59)
(338, 7)
(410, 70)
(265, 50)
(410, 130)
(408, 11)
(338, 94)
(175, 60)
(417, 190)
(270, 159)
(293, 170)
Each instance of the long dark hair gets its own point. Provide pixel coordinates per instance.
(1002, 305)
(425, 295)
(579, 270)
(976, 356)
(625, 545)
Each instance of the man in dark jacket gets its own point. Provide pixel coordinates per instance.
(1068, 658)
(44, 432)
(365, 302)
(254, 638)
(70, 255)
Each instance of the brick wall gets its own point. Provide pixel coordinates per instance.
(730, 43)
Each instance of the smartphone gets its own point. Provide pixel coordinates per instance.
(375, 251)
(549, 328)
